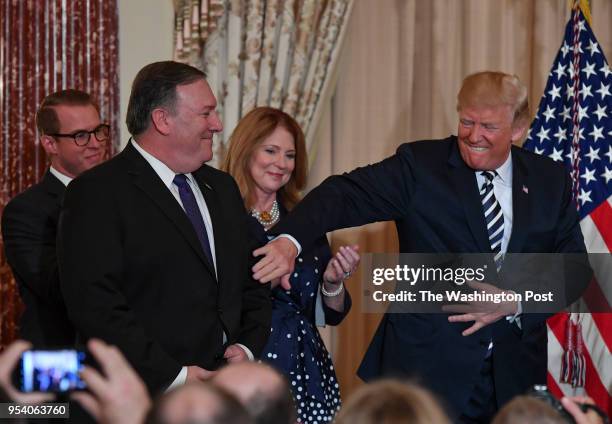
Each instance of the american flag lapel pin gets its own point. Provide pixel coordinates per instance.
(525, 189)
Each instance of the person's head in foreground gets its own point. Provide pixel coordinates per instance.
(533, 410)
(493, 114)
(391, 402)
(261, 389)
(198, 403)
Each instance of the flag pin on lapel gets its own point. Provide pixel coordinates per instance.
(525, 189)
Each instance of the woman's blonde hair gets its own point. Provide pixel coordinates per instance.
(391, 402)
(252, 129)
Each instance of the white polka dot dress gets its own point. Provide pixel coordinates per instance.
(296, 348)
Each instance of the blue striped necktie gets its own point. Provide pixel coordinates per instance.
(493, 216)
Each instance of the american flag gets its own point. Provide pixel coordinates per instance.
(574, 126)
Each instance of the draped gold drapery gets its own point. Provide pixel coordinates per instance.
(279, 53)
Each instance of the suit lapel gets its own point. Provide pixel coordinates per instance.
(145, 178)
(53, 186)
(216, 216)
(464, 181)
(520, 202)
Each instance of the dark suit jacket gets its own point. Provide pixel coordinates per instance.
(433, 197)
(29, 229)
(134, 273)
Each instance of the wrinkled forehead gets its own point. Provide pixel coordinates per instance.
(76, 117)
(196, 95)
(486, 97)
(499, 113)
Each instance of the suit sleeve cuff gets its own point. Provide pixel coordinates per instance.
(293, 240)
(247, 351)
(179, 380)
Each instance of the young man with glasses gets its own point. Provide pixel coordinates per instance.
(75, 140)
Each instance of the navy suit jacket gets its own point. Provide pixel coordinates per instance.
(134, 273)
(432, 196)
(29, 230)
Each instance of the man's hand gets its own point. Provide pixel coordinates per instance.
(278, 261)
(571, 405)
(195, 373)
(118, 395)
(482, 313)
(235, 353)
(8, 360)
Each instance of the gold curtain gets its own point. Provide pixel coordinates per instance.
(400, 69)
(278, 53)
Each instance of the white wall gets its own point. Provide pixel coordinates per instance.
(145, 36)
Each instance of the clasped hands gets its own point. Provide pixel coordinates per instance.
(481, 312)
(233, 353)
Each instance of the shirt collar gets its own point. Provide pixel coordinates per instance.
(161, 169)
(64, 179)
(504, 173)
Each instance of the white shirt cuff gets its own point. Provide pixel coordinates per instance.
(516, 317)
(179, 380)
(247, 351)
(293, 240)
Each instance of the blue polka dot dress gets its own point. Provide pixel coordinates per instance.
(295, 346)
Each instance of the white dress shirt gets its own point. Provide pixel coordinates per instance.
(64, 179)
(502, 189)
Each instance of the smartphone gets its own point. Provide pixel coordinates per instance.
(51, 371)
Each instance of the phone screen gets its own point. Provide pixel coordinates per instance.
(51, 370)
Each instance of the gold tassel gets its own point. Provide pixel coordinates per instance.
(584, 6)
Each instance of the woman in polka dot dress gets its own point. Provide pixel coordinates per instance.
(267, 157)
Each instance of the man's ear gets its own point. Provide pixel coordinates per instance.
(162, 121)
(49, 144)
(518, 131)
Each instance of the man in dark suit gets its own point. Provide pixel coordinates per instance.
(466, 194)
(153, 248)
(75, 140)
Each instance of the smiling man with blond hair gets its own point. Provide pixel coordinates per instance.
(471, 193)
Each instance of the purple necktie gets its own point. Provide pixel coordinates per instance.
(193, 213)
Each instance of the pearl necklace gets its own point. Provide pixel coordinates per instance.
(265, 218)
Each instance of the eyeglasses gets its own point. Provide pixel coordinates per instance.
(81, 138)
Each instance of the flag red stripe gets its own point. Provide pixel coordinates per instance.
(602, 216)
(603, 322)
(594, 387)
(557, 325)
(595, 298)
(597, 301)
